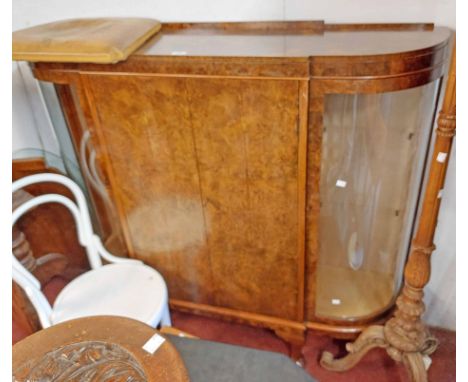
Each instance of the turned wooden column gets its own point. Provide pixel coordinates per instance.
(405, 337)
(406, 330)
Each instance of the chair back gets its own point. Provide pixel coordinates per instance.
(32, 288)
(78, 209)
(91, 242)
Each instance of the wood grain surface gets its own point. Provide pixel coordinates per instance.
(212, 154)
(209, 184)
(96, 348)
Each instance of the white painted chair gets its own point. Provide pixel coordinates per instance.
(124, 287)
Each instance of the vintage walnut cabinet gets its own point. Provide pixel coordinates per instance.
(270, 171)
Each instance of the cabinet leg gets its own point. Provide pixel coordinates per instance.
(295, 353)
(296, 339)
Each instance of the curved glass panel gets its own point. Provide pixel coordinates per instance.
(373, 153)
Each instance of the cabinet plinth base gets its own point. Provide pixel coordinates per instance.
(290, 331)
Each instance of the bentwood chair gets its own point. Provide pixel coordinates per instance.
(122, 287)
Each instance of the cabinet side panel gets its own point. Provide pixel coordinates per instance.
(143, 124)
(247, 148)
(88, 155)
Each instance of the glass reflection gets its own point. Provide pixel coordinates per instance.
(373, 151)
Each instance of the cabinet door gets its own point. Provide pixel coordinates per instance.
(203, 172)
(373, 152)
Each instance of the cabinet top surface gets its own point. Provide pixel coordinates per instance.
(209, 43)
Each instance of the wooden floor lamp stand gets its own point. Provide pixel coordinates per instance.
(405, 337)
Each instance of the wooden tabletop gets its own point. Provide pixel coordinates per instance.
(342, 41)
(101, 348)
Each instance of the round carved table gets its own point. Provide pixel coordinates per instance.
(101, 348)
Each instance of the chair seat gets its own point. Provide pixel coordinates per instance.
(123, 289)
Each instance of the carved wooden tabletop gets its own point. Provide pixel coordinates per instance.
(101, 349)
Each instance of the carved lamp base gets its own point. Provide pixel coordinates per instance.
(404, 337)
(374, 337)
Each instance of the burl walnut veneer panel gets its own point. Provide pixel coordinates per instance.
(204, 173)
(210, 144)
(144, 130)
